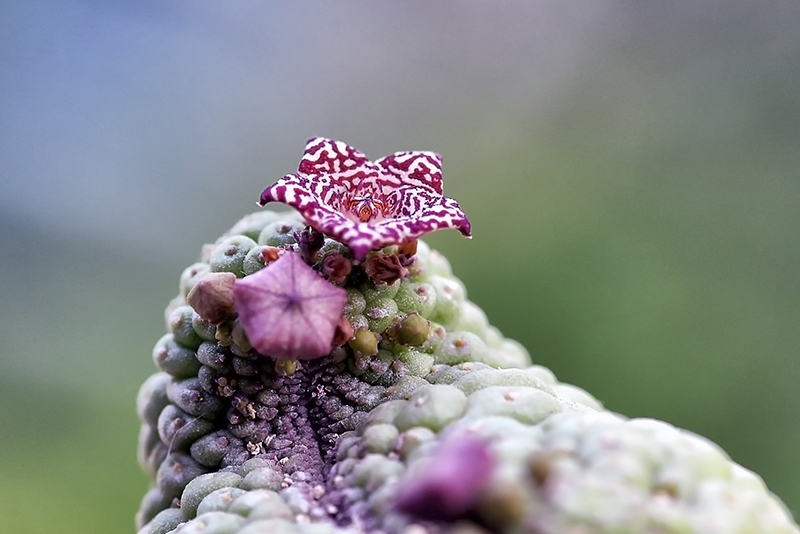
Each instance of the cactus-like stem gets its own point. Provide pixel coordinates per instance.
(421, 418)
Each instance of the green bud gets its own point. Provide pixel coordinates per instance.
(205, 329)
(255, 463)
(152, 398)
(509, 354)
(365, 341)
(386, 412)
(239, 337)
(417, 363)
(411, 439)
(472, 319)
(285, 367)
(254, 261)
(176, 360)
(447, 374)
(438, 265)
(405, 387)
(483, 378)
(413, 330)
(576, 394)
(374, 470)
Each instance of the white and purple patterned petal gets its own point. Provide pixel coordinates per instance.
(367, 205)
(344, 166)
(438, 214)
(420, 169)
(304, 192)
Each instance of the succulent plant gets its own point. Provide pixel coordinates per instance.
(329, 375)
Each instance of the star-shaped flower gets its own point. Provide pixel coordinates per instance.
(364, 204)
(288, 310)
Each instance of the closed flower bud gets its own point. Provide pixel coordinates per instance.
(413, 330)
(365, 341)
(212, 297)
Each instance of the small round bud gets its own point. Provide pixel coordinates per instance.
(365, 341)
(413, 330)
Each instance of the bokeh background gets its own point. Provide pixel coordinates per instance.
(631, 171)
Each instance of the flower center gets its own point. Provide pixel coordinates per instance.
(367, 207)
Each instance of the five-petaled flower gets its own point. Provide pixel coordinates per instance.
(364, 204)
(288, 310)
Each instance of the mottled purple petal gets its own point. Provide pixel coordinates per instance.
(417, 169)
(306, 192)
(450, 486)
(333, 158)
(288, 310)
(437, 214)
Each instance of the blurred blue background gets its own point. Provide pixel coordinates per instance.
(631, 171)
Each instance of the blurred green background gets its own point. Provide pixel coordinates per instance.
(631, 172)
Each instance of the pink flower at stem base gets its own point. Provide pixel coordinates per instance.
(364, 204)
